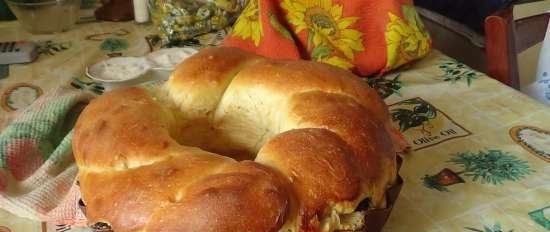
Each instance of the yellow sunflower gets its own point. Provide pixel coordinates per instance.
(248, 24)
(406, 39)
(332, 41)
(336, 61)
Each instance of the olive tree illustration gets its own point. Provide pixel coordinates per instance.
(50, 48)
(487, 167)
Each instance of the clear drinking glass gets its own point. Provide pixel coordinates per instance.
(45, 16)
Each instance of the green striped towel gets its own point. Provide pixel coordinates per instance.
(37, 169)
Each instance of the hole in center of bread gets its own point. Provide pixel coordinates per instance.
(205, 135)
(235, 128)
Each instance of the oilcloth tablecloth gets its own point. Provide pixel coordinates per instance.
(480, 149)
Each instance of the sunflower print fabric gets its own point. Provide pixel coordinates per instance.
(330, 39)
(364, 36)
(406, 38)
(248, 25)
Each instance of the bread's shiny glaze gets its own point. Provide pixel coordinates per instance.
(318, 135)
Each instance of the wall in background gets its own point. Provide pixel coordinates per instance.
(528, 60)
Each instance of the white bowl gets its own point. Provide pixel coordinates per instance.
(128, 71)
(120, 72)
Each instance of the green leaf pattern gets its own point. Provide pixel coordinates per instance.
(491, 166)
(320, 52)
(386, 87)
(431, 183)
(454, 71)
(486, 166)
(278, 27)
(50, 48)
(114, 45)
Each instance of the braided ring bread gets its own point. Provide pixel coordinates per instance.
(303, 145)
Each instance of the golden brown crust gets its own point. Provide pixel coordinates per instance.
(322, 133)
(243, 197)
(200, 69)
(126, 139)
(320, 166)
(366, 135)
(197, 85)
(126, 199)
(288, 77)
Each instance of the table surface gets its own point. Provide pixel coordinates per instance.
(481, 149)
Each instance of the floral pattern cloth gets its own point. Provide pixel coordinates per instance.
(366, 37)
(480, 150)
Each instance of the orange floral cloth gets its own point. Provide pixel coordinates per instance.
(364, 36)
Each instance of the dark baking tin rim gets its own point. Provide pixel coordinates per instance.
(375, 219)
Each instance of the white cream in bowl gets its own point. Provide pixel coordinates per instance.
(119, 69)
(168, 58)
(127, 71)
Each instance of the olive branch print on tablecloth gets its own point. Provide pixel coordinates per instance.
(386, 87)
(50, 48)
(486, 166)
(495, 228)
(88, 85)
(419, 115)
(455, 71)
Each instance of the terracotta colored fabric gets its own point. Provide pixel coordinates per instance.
(365, 36)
